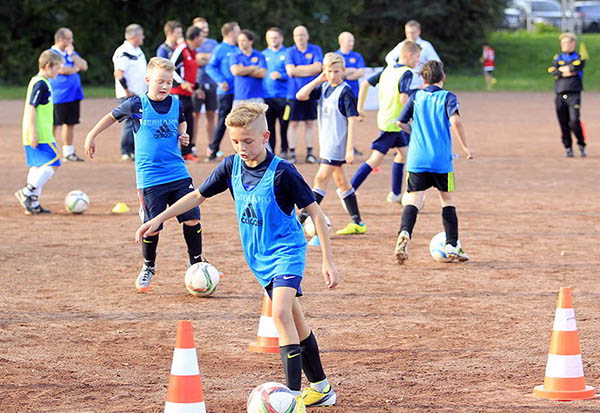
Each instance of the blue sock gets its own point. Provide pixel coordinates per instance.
(397, 170)
(360, 175)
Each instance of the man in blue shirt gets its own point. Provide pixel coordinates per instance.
(248, 67)
(218, 68)
(275, 86)
(303, 63)
(173, 33)
(67, 91)
(354, 61)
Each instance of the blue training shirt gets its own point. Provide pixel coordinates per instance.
(356, 61)
(218, 67)
(66, 88)
(248, 87)
(275, 88)
(293, 56)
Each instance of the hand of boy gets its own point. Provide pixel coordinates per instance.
(330, 274)
(33, 140)
(361, 115)
(89, 146)
(469, 153)
(350, 156)
(322, 77)
(187, 86)
(146, 228)
(184, 138)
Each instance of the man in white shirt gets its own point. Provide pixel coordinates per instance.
(130, 74)
(412, 30)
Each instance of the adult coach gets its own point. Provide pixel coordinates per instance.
(248, 67)
(130, 79)
(412, 30)
(67, 91)
(173, 33)
(303, 62)
(354, 61)
(218, 69)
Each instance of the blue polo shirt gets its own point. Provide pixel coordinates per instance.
(356, 61)
(275, 88)
(293, 56)
(218, 66)
(248, 87)
(66, 88)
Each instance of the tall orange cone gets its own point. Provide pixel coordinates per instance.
(267, 339)
(564, 370)
(184, 394)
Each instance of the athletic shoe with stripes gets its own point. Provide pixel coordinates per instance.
(401, 251)
(315, 398)
(456, 253)
(142, 283)
(352, 229)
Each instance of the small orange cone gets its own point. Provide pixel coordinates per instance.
(564, 379)
(184, 394)
(267, 339)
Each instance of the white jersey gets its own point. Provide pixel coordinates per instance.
(427, 53)
(333, 125)
(132, 61)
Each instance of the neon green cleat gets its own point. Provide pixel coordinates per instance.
(300, 406)
(352, 228)
(316, 398)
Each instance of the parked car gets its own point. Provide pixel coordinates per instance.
(514, 18)
(589, 14)
(538, 11)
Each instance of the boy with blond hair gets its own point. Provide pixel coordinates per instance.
(336, 114)
(162, 178)
(265, 189)
(41, 153)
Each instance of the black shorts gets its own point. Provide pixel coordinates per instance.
(332, 162)
(387, 140)
(302, 109)
(66, 113)
(210, 98)
(155, 199)
(421, 181)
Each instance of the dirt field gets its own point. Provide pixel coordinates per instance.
(76, 337)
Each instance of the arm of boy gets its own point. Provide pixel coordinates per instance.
(330, 274)
(304, 93)
(350, 140)
(90, 144)
(362, 98)
(457, 128)
(30, 116)
(183, 136)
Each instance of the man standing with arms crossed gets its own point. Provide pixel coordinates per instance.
(303, 63)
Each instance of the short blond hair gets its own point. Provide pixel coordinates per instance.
(409, 47)
(49, 57)
(333, 58)
(243, 115)
(568, 35)
(160, 63)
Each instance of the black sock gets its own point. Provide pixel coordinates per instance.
(352, 205)
(291, 356)
(149, 245)
(292, 151)
(193, 239)
(311, 360)
(450, 221)
(409, 218)
(318, 195)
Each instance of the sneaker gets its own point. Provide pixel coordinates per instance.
(38, 210)
(310, 158)
(312, 397)
(569, 152)
(142, 283)
(401, 251)
(392, 198)
(582, 151)
(300, 406)
(211, 158)
(220, 154)
(283, 155)
(292, 158)
(127, 157)
(456, 253)
(357, 152)
(352, 229)
(190, 157)
(73, 158)
(25, 201)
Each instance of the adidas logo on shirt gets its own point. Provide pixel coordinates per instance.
(250, 217)
(163, 131)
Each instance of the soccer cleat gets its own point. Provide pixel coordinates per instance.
(310, 158)
(190, 157)
(25, 201)
(582, 152)
(72, 158)
(37, 210)
(127, 157)
(211, 158)
(292, 158)
(316, 398)
(392, 198)
(220, 154)
(401, 251)
(569, 152)
(456, 253)
(352, 228)
(142, 283)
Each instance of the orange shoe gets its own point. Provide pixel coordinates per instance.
(190, 157)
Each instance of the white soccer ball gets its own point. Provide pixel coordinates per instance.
(309, 226)
(437, 247)
(201, 279)
(271, 397)
(77, 202)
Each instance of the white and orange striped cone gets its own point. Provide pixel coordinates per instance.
(564, 379)
(267, 339)
(184, 394)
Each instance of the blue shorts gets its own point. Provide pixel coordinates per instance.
(155, 199)
(43, 154)
(387, 140)
(302, 109)
(292, 281)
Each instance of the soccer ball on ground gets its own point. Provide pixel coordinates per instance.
(77, 202)
(201, 279)
(271, 397)
(309, 226)
(437, 247)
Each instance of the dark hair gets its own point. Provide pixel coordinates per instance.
(433, 72)
(276, 30)
(170, 26)
(193, 33)
(249, 34)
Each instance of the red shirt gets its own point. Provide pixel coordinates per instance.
(489, 57)
(186, 68)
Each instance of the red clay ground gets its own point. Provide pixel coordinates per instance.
(75, 337)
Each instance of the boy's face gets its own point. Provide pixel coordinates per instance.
(567, 45)
(249, 142)
(159, 83)
(334, 73)
(412, 59)
(52, 70)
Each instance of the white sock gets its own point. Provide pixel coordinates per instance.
(30, 178)
(320, 386)
(40, 177)
(68, 150)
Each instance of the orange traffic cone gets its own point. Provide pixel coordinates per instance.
(184, 394)
(564, 370)
(267, 339)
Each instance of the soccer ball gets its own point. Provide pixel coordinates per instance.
(273, 398)
(309, 226)
(201, 279)
(77, 202)
(437, 247)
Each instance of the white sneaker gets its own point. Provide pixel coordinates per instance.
(142, 283)
(456, 253)
(392, 198)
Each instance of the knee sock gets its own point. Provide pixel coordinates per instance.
(311, 361)
(360, 175)
(397, 170)
(193, 239)
(291, 357)
(450, 221)
(349, 199)
(409, 218)
(149, 245)
(38, 177)
(319, 195)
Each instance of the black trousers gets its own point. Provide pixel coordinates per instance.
(188, 111)
(276, 111)
(225, 103)
(568, 105)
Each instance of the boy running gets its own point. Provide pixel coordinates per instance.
(433, 111)
(162, 178)
(265, 189)
(41, 153)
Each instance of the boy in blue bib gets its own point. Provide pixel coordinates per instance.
(266, 189)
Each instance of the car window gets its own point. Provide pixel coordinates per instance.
(538, 6)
